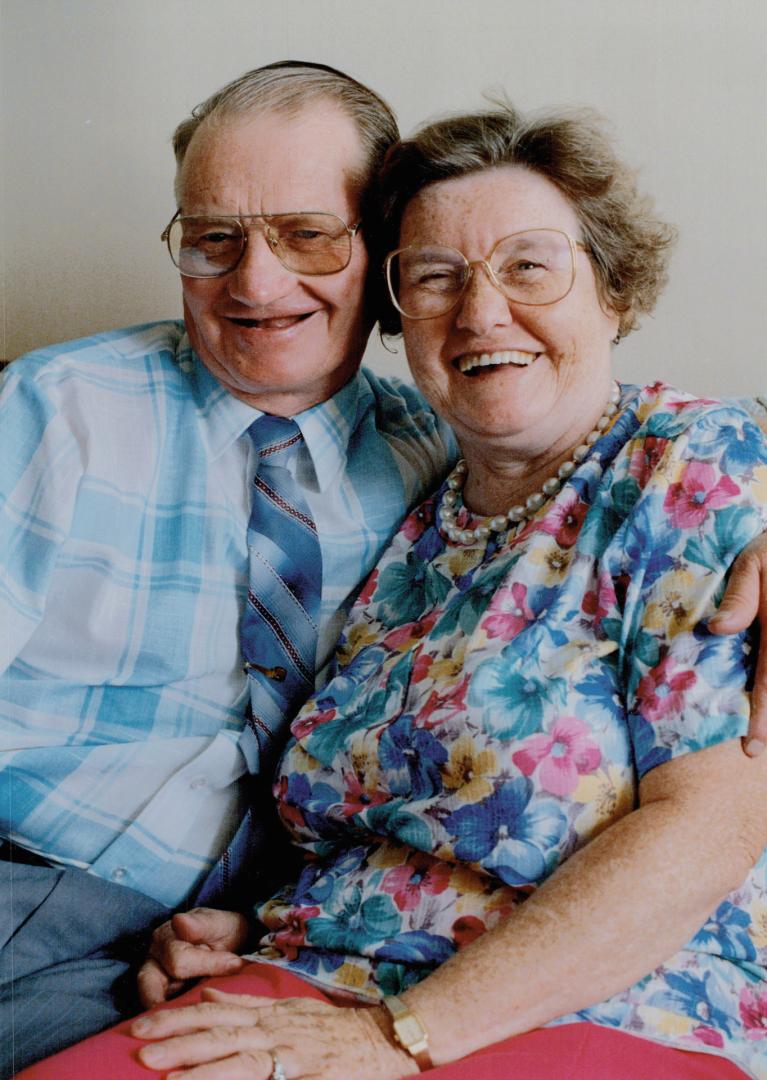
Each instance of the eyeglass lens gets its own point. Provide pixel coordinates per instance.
(304, 243)
(533, 267)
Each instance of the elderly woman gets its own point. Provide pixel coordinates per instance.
(532, 841)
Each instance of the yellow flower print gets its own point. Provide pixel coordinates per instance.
(450, 667)
(466, 770)
(351, 975)
(674, 608)
(758, 486)
(462, 560)
(666, 1023)
(467, 882)
(546, 552)
(759, 925)
(607, 795)
(387, 855)
(360, 635)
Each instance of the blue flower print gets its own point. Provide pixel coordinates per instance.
(508, 835)
(726, 933)
(694, 995)
(738, 446)
(357, 927)
(407, 590)
(515, 700)
(414, 756)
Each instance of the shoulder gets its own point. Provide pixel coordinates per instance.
(660, 425)
(402, 415)
(663, 410)
(107, 352)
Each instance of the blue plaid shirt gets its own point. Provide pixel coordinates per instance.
(124, 501)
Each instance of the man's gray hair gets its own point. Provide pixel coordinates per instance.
(289, 86)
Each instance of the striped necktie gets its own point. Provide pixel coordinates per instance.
(278, 640)
(278, 634)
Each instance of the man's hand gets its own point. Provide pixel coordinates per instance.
(744, 601)
(199, 942)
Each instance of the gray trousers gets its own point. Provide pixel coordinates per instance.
(69, 944)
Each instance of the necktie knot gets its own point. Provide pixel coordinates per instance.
(274, 437)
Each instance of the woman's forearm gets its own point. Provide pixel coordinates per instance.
(617, 909)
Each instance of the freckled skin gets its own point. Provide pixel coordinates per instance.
(526, 418)
(272, 162)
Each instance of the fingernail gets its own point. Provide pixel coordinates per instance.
(754, 747)
(153, 1054)
(144, 1024)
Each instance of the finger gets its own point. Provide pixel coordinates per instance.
(740, 602)
(184, 961)
(192, 1018)
(245, 1066)
(237, 1067)
(209, 1046)
(248, 1001)
(154, 985)
(225, 930)
(756, 740)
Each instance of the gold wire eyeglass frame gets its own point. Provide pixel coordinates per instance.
(470, 265)
(272, 239)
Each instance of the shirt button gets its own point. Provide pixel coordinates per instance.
(186, 365)
(119, 873)
(198, 782)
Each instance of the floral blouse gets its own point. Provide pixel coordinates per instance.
(494, 706)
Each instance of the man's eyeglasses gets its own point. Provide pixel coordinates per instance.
(304, 242)
(534, 267)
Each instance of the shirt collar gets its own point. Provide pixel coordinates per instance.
(223, 419)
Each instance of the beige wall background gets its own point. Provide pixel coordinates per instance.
(91, 90)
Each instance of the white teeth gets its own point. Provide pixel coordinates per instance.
(510, 356)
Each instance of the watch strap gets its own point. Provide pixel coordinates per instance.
(408, 1031)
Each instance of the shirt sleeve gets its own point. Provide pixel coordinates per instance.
(693, 490)
(40, 466)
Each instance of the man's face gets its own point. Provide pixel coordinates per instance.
(278, 340)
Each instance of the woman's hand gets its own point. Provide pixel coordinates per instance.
(744, 601)
(233, 1036)
(197, 943)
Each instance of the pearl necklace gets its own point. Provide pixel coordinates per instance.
(452, 501)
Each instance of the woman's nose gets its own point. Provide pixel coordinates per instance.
(482, 305)
(259, 278)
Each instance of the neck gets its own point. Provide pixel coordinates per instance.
(497, 480)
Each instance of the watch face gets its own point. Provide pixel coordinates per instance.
(408, 1030)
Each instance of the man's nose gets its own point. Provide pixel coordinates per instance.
(259, 277)
(482, 305)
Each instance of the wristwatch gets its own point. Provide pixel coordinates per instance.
(408, 1031)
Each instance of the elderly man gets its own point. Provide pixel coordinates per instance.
(136, 719)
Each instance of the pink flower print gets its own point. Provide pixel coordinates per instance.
(709, 1036)
(662, 691)
(565, 518)
(357, 796)
(508, 613)
(467, 928)
(421, 667)
(646, 458)
(753, 1013)
(563, 754)
(401, 637)
(294, 932)
(368, 588)
(688, 501)
(420, 875)
(305, 723)
(601, 601)
(438, 706)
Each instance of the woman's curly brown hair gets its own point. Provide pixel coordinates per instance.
(628, 245)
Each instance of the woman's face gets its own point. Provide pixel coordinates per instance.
(553, 380)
